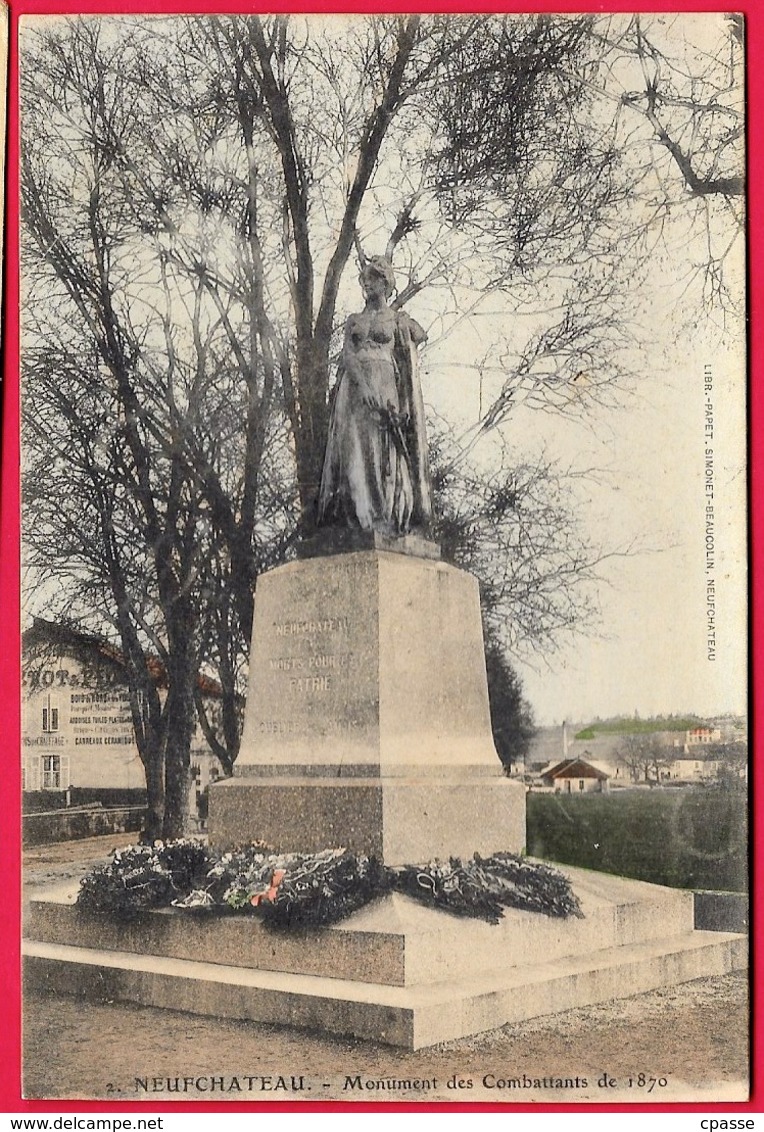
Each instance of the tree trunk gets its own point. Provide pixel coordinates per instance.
(243, 578)
(181, 713)
(310, 443)
(177, 763)
(154, 769)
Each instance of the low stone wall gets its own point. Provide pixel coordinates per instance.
(79, 822)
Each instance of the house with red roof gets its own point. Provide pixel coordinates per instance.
(575, 776)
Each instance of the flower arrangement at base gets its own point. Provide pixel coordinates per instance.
(483, 887)
(294, 891)
(144, 876)
(321, 889)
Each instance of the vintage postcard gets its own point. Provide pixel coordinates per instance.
(384, 656)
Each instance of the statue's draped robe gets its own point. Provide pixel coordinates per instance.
(375, 474)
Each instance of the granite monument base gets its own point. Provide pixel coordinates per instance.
(367, 720)
(399, 820)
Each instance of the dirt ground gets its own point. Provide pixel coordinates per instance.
(685, 1043)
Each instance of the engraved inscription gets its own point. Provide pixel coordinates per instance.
(309, 628)
(320, 661)
(337, 661)
(281, 727)
(286, 663)
(301, 685)
(340, 726)
(313, 674)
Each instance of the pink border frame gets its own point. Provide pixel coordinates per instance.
(10, 647)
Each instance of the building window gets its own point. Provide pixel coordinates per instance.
(49, 716)
(30, 773)
(51, 771)
(55, 772)
(580, 784)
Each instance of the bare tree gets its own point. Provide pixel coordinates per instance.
(131, 385)
(645, 756)
(194, 193)
(517, 528)
(678, 91)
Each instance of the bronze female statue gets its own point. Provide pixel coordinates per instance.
(375, 474)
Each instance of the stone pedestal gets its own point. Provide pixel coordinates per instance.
(367, 719)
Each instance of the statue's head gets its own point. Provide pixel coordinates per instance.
(378, 270)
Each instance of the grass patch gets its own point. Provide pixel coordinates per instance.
(626, 726)
(685, 838)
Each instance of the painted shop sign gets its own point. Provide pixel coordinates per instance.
(34, 677)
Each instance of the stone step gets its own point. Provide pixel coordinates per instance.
(412, 1017)
(393, 941)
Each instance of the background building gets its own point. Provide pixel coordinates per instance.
(76, 728)
(575, 775)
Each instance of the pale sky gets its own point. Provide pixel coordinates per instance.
(650, 652)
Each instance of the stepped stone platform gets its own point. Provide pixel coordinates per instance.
(395, 972)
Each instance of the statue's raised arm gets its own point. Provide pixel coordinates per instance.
(376, 474)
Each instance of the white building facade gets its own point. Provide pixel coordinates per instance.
(76, 724)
